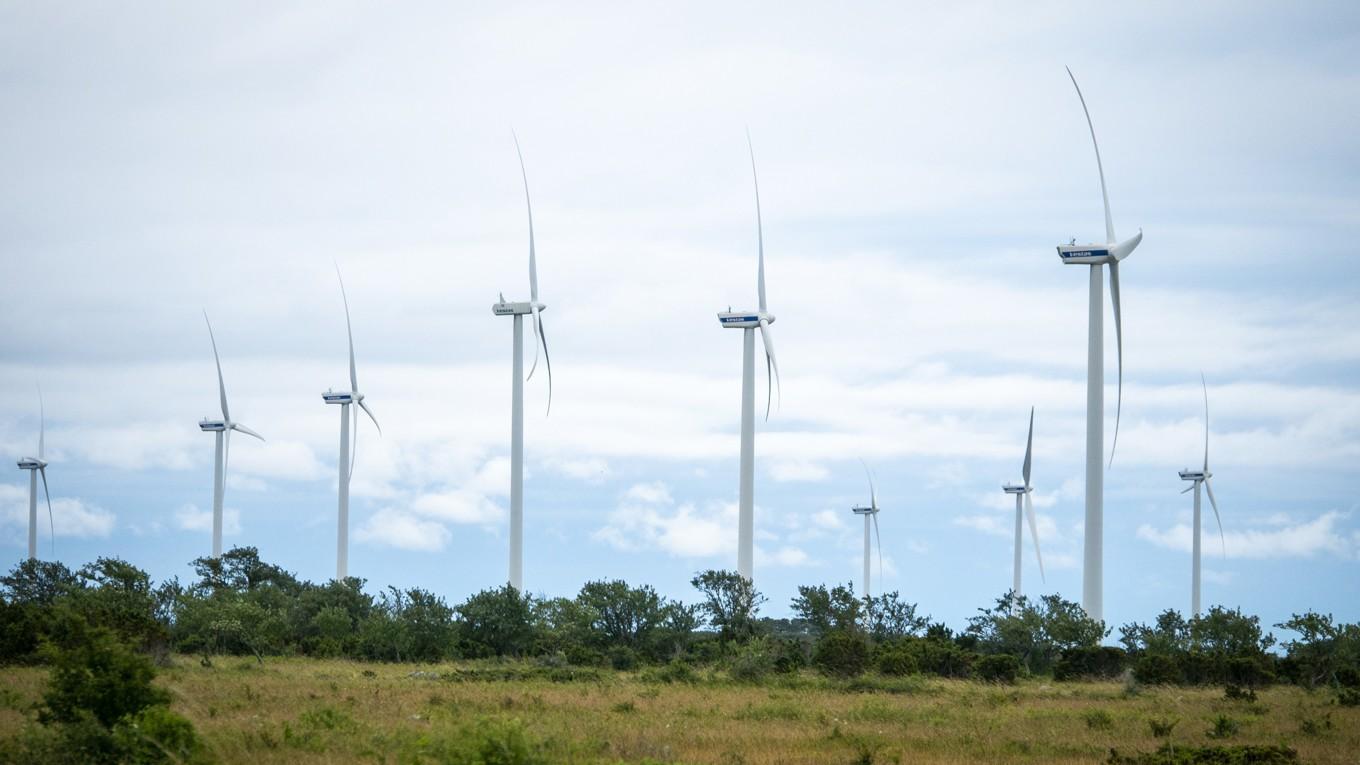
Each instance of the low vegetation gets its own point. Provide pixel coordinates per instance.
(248, 663)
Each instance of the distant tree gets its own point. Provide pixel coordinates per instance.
(240, 569)
(730, 603)
(1035, 633)
(497, 622)
(828, 610)
(1324, 652)
(887, 617)
(36, 582)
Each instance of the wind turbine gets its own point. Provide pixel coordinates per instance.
(348, 448)
(37, 466)
(222, 454)
(1022, 493)
(534, 309)
(870, 512)
(1097, 256)
(1198, 477)
(747, 321)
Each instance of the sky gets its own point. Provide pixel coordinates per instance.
(918, 165)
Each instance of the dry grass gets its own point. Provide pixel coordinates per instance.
(312, 711)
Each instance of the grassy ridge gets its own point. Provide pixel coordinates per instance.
(321, 711)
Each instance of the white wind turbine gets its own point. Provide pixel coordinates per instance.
(1022, 493)
(534, 309)
(1198, 477)
(348, 447)
(37, 466)
(222, 454)
(749, 321)
(1097, 256)
(870, 512)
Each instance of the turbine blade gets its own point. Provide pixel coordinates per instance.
(364, 406)
(51, 524)
(760, 229)
(771, 365)
(873, 495)
(247, 431)
(1205, 385)
(221, 385)
(1104, 195)
(353, 443)
(1209, 489)
(879, 543)
(533, 264)
(1188, 489)
(538, 330)
(1029, 447)
(1034, 532)
(226, 457)
(1119, 352)
(547, 361)
(42, 423)
(349, 330)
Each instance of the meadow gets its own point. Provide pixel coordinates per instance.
(306, 710)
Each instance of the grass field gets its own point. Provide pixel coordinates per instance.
(314, 711)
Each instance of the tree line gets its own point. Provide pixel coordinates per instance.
(241, 605)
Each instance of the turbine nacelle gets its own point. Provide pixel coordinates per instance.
(864, 510)
(1195, 475)
(504, 308)
(212, 426)
(744, 319)
(341, 397)
(1097, 254)
(31, 463)
(1012, 488)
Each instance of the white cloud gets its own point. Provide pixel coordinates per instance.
(827, 519)
(798, 470)
(459, 506)
(190, 518)
(655, 493)
(786, 556)
(646, 519)
(71, 517)
(592, 470)
(1301, 540)
(393, 528)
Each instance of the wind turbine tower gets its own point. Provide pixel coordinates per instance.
(1024, 506)
(348, 443)
(222, 454)
(1097, 256)
(1198, 478)
(870, 513)
(37, 466)
(519, 310)
(748, 322)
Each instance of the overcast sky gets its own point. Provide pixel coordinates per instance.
(917, 165)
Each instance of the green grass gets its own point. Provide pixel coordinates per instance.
(321, 711)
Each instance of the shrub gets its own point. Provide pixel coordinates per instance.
(1096, 662)
(98, 675)
(841, 653)
(753, 661)
(1238, 693)
(1223, 727)
(1161, 727)
(1254, 754)
(1098, 719)
(896, 659)
(1348, 697)
(997, 668)
(621, 657)
(1157, 669)
(156, 735)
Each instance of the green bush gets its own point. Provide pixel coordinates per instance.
(896, 659)
(1098, 719)
(1090, 662)
(841, 653)
(1167, 754)
(1157, 669)
(621, 657)
(997, 668)
(156, 735)
(98, 675)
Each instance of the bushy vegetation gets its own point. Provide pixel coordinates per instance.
(239, 605)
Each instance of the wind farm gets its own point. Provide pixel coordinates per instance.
(669, 557)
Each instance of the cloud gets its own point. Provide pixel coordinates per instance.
(1302, 540)
(655, 493)
(648, 519)
(394, 528)
(788, 557)
(190, 518)
(798, 470)
(592, 470)
(1004, 526)
(71, 517)
(459, 506)
(827, 519)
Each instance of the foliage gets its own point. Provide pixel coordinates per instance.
(1035, 633)
(730, 602)
(842, 653)
(836, 609)
(887, 617)
(96, 674)
(1324, 653)
(1252, 754)
(997, 668)
(497, 622)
